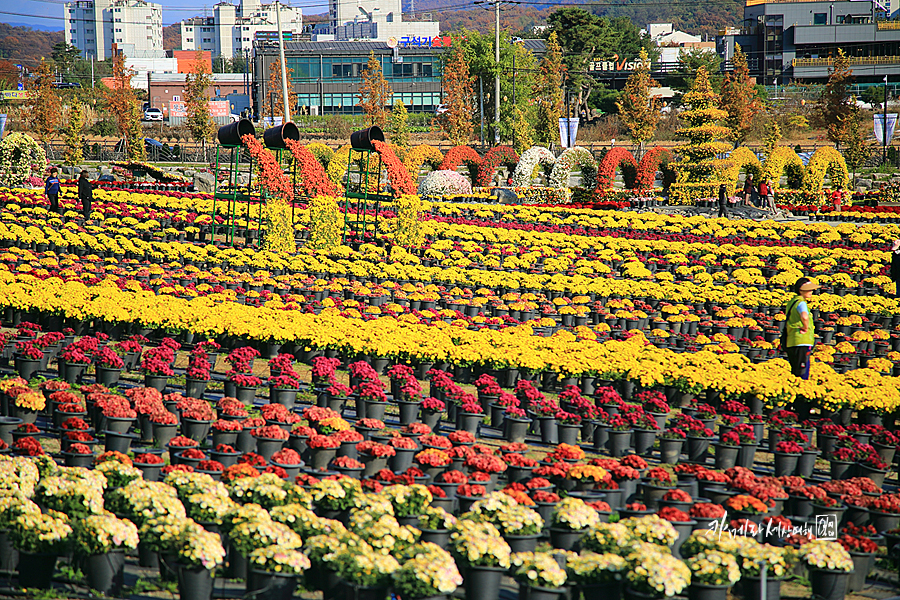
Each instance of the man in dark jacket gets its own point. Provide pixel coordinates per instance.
(895, 267)
(51, 188)
(723, 201)
(85, 194)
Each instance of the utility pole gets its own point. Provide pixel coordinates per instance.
(284, 85)
(884, 139)
(481, 104)
(497, 76)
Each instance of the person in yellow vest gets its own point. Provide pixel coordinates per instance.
(800, 331)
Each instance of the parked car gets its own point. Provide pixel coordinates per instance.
(153, 114)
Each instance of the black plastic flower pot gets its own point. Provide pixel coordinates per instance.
(565, 539)
(36, 570)
(828, 584)
(195, 429)
(7, 425)
(515, 430)
(231, 134)
(697, 591)
(746, 455)
(263, 585)
(483, 583)
(226, 458)
(375, 409)
(78, 460)
(163, 434)
(277, 137)
(697, 449)
(286, 397)
(320, 457)
(402, 460)
(108, 376)
(726, 456)
(157, 382)
(245, 394)
(114, 441)
(841, 469)
(469, 422)
(223, 437)
(27, 367)
(72, 373)
(195, 583)
(670, 450)
(876, 475)
(862, 564)
(440, 537)
(568, 434)
(618, 443)
(643, 441)
(267, 447)
(105, 572)
(408, 412)
(194, 388)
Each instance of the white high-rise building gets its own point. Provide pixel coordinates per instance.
(93, 26)
(232, 29)
(380, 20)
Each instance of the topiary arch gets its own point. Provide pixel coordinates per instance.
(650, 164)
(530, 159)
(606, 172)
(495, 157)
(740, 159)
(18, 152)
(826, 161)
(461, 155)
(568, 161)
(420, 155)
(783, 160)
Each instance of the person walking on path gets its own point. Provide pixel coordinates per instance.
(770, 196)
(799, 335)
(51, 188)
(748, 189)
(723, 201)
(763, 193)
(895, 267)
(85, 194)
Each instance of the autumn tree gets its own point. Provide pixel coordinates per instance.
(74, 129)
(772, 137)
(548, 93)
(45, 103)
(638, 110)
(739, 97)
(834, 111)
(374, 92)
(274, 105)
(9, 75)
(856, 147)
(397, 125)
(459, 99)
(135, 134)
(523, 132)
(196, 83)
(122, 103)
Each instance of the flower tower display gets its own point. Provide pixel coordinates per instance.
(699, 171)
(280, 231)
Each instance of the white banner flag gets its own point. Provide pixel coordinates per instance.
(568, 131)
(880, 128)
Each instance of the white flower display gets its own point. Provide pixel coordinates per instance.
(529, 160)
(568, 161)
(445, 183)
